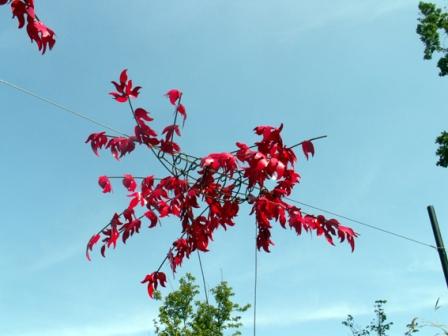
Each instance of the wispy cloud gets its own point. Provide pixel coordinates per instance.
(140, 324)
(56, 258)
(339, 311)
(277, 318)
(354, 12)
(424, 265)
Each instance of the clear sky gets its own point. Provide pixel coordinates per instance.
(352, 70)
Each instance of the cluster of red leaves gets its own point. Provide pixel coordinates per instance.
(125, 91)
(273, 160)
(211, 198)
(153, 280)
(38, 32)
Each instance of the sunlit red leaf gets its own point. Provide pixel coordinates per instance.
(124, 90)
(104, 183)
(173, 95)
(95, 238)
(129, 182)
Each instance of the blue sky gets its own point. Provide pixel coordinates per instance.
(347, 69)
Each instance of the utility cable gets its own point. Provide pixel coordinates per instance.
(362, 223)
(55, 104)
(203, 276)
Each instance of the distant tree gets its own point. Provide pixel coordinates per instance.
(379, 326)
(442, 151)
(433, 23)
(433, 28)
(182, 315)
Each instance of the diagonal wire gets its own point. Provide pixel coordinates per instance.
(203, 276)
(362, 223)
(55, 104)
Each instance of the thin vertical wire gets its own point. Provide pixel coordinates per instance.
(203, 277)
(255, 280)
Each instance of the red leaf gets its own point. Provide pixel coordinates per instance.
(104, 183)
(124, 76)
(37, 31)
(114, 235)
(95, 238)
(97, 141)
(182, 112)
(128, 214)
(162, 278)
(169, 147)
(103, 251)
(173, 95)
(308, 148)
(152, 217)
(124, 89)
(129, 182)
(142, 114)
(170, 130)
(121, 146)
(153, 280)
(136, 199)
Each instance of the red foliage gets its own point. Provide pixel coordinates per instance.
(206, 193)
(308, 148)
(104, 183)
(129, 182)
(124, 89)
(214, 185)
(153, 280)
(38, 32)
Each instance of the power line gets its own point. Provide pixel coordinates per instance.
(80, 115)
(203, 276)
(362, 223)
(55, 104)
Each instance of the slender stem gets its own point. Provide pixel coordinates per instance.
(312, 139)
(176, 112)
(255, 280)
(291, 147)
(203, 276)
(132, 110)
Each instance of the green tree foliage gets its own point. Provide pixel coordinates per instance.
(378, 326)
(432, 29)
(433, 23)
(182, 315)
(442, 151)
